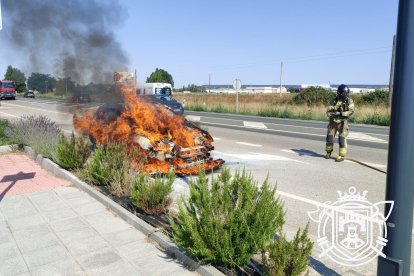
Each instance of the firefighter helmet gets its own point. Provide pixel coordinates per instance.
(343, 91)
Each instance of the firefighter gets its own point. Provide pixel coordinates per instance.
(339, 111)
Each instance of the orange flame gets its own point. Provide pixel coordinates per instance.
(168, 140)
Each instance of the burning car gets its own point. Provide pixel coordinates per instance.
(169, 141)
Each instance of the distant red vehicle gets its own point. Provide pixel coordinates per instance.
(7, 90)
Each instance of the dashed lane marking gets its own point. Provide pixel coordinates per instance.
(193, 118)
(253, 156)
(39, 109)
(249, 144)
(254, 124)
(364, 137)
(10, 115)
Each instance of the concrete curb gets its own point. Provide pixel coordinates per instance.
(165, 242)
(8, 148)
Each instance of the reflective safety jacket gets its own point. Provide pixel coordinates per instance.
(345, 107)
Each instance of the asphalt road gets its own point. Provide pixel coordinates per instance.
(287, 152)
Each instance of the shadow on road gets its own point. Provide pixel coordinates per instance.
(13, 179)
(306, 152)
(321, 268)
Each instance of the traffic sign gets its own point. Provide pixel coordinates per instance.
(237, 84)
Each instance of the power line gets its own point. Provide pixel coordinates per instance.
(308, 58)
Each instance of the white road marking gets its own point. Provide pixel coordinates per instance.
(216, 139)
(250, 145)
(288, 125)
(10, 115)
(254, 124)
(193, 118)
(252, 156)
(303, 133)
(363, 137)
(39, 109)
(321, 205)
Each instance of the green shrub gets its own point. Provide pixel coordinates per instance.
(36, 131)
(314, 96)
(111, 165)
(379, 97)
(227, 219)
(152, 195)
(288, 258)
(4, 140)
(72, 154)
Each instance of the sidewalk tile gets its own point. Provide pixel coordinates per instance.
(123, 237)
(64, 267)
(87, 245)
(45, 256)
(8, 251)
(26, 222)
(14, 266)
(119, 268)
(105, 222)
(134, 250)
(98, 259)
(59, 214)
(69, 236)
(27, 243)
(68, 224)
(89, 208)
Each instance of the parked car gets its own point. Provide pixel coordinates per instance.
(168, 102)
(29, 94)
(81, 98)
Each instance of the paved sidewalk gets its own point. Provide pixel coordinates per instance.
(48, 227)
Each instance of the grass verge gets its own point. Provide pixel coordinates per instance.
(279, 107)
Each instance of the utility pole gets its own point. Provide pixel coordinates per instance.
(281, 73)
(209, 83)
(1, 20)
(391, 83)
(400, 175)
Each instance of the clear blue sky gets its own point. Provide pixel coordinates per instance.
(319, 41)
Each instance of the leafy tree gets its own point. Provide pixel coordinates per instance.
(160, 75)
(41, 82)
(17, 76)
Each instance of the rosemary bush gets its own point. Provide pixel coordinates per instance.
(72, 154)
(288, 258)
(227, 219)
(111, 165)
(152, 195)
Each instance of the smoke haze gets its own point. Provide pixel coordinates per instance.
(72, 38)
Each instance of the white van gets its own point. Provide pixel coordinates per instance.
(156, 88)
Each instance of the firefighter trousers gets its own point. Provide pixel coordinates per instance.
(342, 129)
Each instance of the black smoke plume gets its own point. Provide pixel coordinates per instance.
(70, 38)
